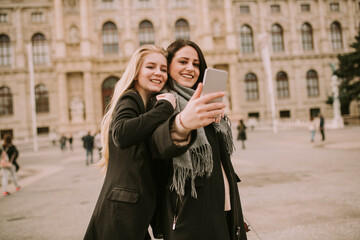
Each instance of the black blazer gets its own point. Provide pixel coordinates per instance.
(202, 218)
(127, 199)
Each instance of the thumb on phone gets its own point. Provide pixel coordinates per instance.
(197, 92)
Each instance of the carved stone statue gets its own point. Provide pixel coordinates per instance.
(77, 110)
(73, 35)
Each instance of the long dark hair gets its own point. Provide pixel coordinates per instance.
(180, 43)
(7, 139)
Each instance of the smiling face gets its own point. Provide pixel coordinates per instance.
(152, 75)
(184, 67)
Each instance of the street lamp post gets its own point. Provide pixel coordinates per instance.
(265, 56)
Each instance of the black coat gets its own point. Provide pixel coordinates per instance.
(88, 142)
(241, 132)
(127, 199)
(13, 154)
(202, 218)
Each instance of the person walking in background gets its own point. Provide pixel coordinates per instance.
(71, 141)
(62, 142)
(88, 144)
(127, 199)
(200, 198)
(9, 153)
(97, 143)
(322, 126)
(53, 137)
(312, 128)
(241, 133)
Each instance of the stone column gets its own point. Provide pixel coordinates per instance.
(164, 34)
(324, 40)
(60, 50)
(294, 37)
(349, 38)
(128, 39)
(84, 28)
(63, 98)
(18, 59)
(88, 98)
(234, 89)
(230, 32)
(205, 36)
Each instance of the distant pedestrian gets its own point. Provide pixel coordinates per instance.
(9, 153)
(70, 141)
(88, 143)
(62, 142)
(312, 128)
(97, 143)
(322, 126)
(241, 132)
(53, 137)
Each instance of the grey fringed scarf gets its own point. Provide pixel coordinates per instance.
(198, 160)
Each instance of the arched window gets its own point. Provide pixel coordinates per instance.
(336, 38)
(182, 29)
(40, 49)
(251, 87)
(282, 85)
(6, 103)
(107, 90)
(246, 38)
(41, 98)
(277, 38)
(312, 83)
(146, 33)
(307, 37)
(110, 38)
(5, 50)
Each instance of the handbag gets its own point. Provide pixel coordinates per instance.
(5, 162)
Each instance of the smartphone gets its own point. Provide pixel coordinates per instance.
(214, 81)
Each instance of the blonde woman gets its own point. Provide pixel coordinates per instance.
(127, 199)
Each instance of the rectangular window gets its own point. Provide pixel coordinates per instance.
(107, 4)
(4, 18)
(37, 17)
(42, 130)
(305, 7)
(285, 114)
(244, 9)
(215, 4)
(144, 3)
(180, 3)
(314, 112)
(254, 115)
(275, 8)
(334, 7)
(6, 131)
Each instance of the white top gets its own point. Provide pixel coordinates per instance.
(312, 125)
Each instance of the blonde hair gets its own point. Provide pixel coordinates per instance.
(125, 83)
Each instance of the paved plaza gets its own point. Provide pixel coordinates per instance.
(291, 189)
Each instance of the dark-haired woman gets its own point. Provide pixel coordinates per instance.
(12, 153)
(200, 195)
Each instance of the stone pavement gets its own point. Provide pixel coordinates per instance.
(291, 189)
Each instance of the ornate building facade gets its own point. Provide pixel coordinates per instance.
(81, 48)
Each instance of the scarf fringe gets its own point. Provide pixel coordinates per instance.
(179, 179)
(225, 129)
(202, 161)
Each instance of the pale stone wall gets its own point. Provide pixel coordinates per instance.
(78, 66)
